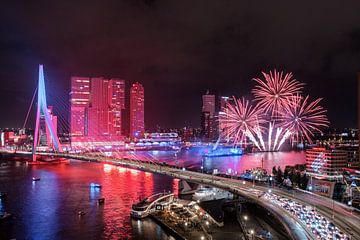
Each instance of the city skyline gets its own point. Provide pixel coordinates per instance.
(154, 119)
(221, 53)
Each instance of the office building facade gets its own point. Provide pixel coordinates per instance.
(96, 106)
(326, 162)
(208, 127)
(137, 121)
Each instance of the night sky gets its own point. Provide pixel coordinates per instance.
(178, 50)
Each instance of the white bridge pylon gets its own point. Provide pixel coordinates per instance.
(42, 112)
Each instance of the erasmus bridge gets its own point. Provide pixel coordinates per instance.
(346, 218)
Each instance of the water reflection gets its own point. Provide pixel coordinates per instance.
(48, 209)
(45, 222)
(193, 158)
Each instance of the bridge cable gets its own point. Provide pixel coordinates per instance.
(28, 113)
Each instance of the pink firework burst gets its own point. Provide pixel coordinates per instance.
(303, 117)
(238, 118)
(273, 92)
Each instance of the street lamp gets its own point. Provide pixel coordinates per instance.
(252, 233)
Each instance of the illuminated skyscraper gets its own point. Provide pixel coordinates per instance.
(208, 116)
(79, 108)
(117, 105)
(223, 101)
(208, 103)
(99, 109)
(221, 125)
(96, 107)
(137, 124)
(207, 125)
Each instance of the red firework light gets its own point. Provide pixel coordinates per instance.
(273, 91)
(303, 117)
(239, 117)
(280, 113)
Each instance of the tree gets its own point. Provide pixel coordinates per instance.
(286, 173)
(279, 175)
(304, 182)
(295, 178)
(274, 172)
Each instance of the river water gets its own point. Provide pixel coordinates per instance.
(48, 209)
(193, 159)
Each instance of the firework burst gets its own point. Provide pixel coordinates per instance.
(280, 114)
(303, 117)
(273, 92)
(239, 118)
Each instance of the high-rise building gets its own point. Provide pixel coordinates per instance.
(99, 109)
(117, 105)
(208, 116)
(79, 108)
(326, 162)
(208, 103)
(207, 130)
(137, 124)
(96, 110)
(223, 101)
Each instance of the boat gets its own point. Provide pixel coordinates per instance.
(5, 215)
(209, 194)
(81, 213)
(101, 201)
(95, 185)
(35, 179)
(224, 152)
(145, 207)
(49, 160)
